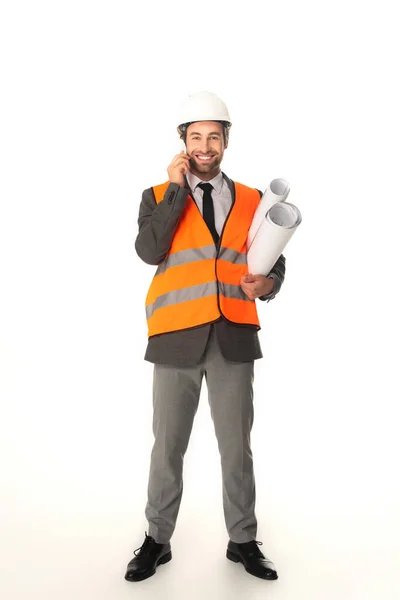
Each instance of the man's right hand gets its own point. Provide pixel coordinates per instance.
(178, 168)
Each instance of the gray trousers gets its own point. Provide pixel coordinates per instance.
(176, 392)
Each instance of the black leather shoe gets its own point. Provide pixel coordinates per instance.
(150, 555)
(252, 558)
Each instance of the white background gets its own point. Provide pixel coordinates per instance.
(89, 97)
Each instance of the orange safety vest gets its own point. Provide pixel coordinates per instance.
(198, 282)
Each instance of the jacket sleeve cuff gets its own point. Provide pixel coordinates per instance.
(175, 195)
(271, 295)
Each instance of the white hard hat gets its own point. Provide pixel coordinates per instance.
(203, 106)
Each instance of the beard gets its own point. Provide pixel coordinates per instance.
(201, 167)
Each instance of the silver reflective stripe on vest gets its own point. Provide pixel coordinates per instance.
(186, 256)
(232, 291)
(233, 256)
(184, 295)
(195, 254)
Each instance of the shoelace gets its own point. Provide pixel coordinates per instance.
(145, 544)
(258, 552)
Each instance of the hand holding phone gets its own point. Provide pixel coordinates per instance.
(178, 168)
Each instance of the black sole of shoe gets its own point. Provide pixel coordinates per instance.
(161, 561)
(235, 558)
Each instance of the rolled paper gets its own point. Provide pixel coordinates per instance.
(277, 191)
(274, 232)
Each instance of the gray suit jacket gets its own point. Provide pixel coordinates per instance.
(157, 226)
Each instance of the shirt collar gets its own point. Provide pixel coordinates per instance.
(216, 182)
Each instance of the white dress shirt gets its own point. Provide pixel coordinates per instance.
(220, 194)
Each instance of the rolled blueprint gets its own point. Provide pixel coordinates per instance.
(278, 222)
(277, 191)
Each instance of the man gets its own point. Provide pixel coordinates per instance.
(202, 321)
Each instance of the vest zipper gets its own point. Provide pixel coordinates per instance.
(218, 251)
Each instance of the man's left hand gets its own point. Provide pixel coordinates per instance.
(255, 286)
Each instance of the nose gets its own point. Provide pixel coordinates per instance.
(205, 146)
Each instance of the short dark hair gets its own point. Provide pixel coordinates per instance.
(182, 130)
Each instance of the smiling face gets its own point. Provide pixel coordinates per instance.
(205, 144)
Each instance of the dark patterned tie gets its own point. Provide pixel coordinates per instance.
(208, 209)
